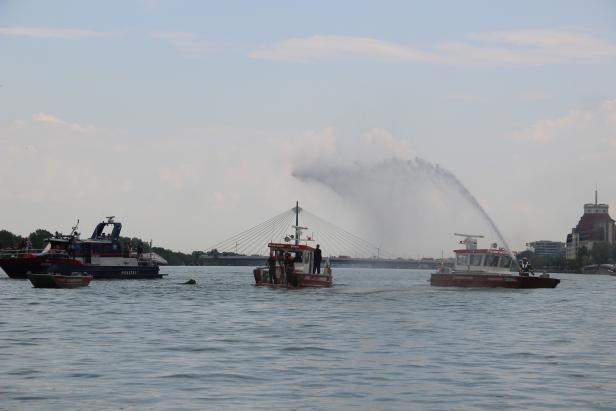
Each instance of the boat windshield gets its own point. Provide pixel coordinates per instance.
(491, 261)
(476, 259)
(462, 259)
(298, 257)
(505, 261)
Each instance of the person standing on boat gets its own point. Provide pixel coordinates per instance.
(289, 268)
(271, 262)
(317, 260)
(526, 267)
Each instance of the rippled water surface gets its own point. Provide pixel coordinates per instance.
(377, 340)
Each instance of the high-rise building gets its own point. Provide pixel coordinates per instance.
(547, 248)
(595, 226)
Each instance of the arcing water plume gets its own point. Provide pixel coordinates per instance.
(404, 198)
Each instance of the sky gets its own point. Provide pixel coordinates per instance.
(188, 120)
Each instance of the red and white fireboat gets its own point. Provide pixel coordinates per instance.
(291, 264)
(486, 267)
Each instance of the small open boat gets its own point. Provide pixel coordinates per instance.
(59, 280)
(488, 267)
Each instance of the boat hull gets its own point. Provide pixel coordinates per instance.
(102, 272)
(59, 281)
(492, 281)
(299, 280)
(22, 265)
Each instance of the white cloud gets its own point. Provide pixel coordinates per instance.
(545, 130)
(560, 45)
(55, 121)
(323, 47)
(190, 44)
(47, 32)
(597, 124)
(522, 47)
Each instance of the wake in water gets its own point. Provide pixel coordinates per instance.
(411, 205)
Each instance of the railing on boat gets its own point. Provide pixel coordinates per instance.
(21, 252)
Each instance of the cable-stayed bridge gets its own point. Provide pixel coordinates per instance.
(334, 241)
(343, 247)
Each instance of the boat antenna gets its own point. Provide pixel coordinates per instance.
(297, 229)
(74, 229)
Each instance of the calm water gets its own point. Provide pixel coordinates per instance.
(378, 340)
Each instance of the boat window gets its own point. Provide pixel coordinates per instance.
(476, 259)
(505, 261)
(462, 259)
(491, 261)
(57, 246)
(298, 257)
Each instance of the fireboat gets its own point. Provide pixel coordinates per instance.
(294, 263)
(102, 255)
(486, 267)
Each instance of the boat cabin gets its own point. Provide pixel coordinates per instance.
(303, 255)
(296, 275)
(104, 247)
(486, 260)
(101, 232)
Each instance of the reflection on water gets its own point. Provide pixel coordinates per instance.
(379, 339)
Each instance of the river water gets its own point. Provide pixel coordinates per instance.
(377, 340)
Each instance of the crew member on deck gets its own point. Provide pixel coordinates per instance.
(526, 267)
(289, 268)
(317, 260)
(271, 262)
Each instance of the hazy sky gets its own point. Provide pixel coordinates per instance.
(186, 119)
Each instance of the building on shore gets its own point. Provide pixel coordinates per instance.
(545, 248)
(595, 226)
